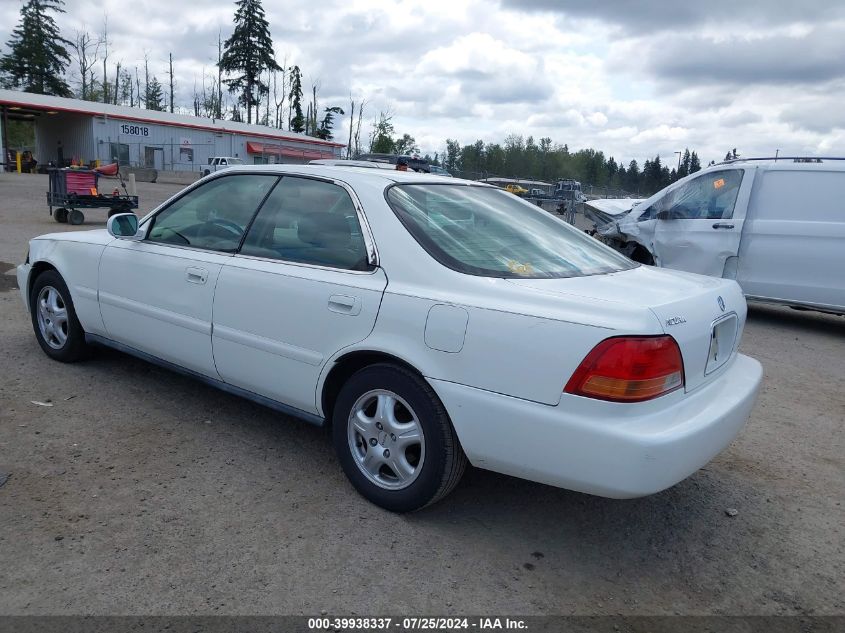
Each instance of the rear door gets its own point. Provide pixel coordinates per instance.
(303, 286)
(156, 295)
(698, 225)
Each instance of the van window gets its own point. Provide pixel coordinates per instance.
(711, 196)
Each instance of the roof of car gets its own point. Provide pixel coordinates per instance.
(352, 174)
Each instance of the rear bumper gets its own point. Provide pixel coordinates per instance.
(603, 448)
(22, 273)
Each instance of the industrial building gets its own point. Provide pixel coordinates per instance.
(85, 131)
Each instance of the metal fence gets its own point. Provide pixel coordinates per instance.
(589, 190)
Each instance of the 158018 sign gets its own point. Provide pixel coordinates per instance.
(134, 130)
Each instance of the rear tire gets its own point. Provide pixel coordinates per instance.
(394, 439)
(60, 215)
(57, 329)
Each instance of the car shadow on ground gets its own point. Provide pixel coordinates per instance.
(486, 509)
(796, 320)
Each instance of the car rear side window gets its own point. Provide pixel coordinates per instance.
(213, 216)
(310, 222)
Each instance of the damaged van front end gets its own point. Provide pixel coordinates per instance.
(614, 223)
(694, 224)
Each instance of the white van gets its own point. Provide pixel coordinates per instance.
(776, 226)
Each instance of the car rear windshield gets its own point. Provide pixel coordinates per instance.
(491, 233)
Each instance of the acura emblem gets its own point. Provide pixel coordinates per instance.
(721, 303)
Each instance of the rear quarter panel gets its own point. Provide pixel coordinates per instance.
(503, 351)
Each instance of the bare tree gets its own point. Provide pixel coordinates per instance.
(171, 82)
(351, 125)
(218, 113)
(116, 83)
(146, 79)
(311, 113)
(280, 103)
(357, 137)
(105, 42)
(85, 51)
(137, 86)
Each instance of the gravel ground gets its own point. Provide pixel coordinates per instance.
(143, 492)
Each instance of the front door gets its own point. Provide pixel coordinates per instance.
(696, 227)
(302, 288)
(156, 295)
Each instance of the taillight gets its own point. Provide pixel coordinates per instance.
(629, 369)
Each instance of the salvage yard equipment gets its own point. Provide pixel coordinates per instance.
(72, 189)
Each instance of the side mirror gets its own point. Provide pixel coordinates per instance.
(124, 226)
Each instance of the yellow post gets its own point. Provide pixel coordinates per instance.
(18, 161)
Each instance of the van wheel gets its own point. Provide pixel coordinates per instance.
(57, 329)
(394, 439)
(642, 255)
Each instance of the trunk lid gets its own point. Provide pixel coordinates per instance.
(705, 315)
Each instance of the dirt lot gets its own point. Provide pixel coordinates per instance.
(143, 492)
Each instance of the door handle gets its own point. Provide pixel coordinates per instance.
(344, 304)
(723, 225)
(196, 275)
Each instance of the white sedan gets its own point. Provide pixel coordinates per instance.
(430, 321)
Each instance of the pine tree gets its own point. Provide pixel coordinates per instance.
(327, 124)
(694, 163)
(296, 123)
(685, 165)
(154, 99)
(37, 54)
(248, 53)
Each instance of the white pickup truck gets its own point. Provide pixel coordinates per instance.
(216, 163)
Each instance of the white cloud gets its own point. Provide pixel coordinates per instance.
(583, 73)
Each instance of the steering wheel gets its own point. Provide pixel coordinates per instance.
(226, 224)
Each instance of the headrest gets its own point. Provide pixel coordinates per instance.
(324, 230)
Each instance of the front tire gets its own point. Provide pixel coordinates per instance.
(57, 329)
(394, 439)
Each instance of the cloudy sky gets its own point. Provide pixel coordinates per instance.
(633, 79)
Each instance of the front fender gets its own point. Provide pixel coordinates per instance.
(78, 263)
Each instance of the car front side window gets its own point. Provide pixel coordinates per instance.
(711, 196)
(213, 216)
(311, 222)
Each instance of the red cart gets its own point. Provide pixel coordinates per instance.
(72, 189)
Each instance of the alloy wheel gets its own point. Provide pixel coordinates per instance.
(52, 317)
(386, 439)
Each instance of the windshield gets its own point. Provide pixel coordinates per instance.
(488, 232)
